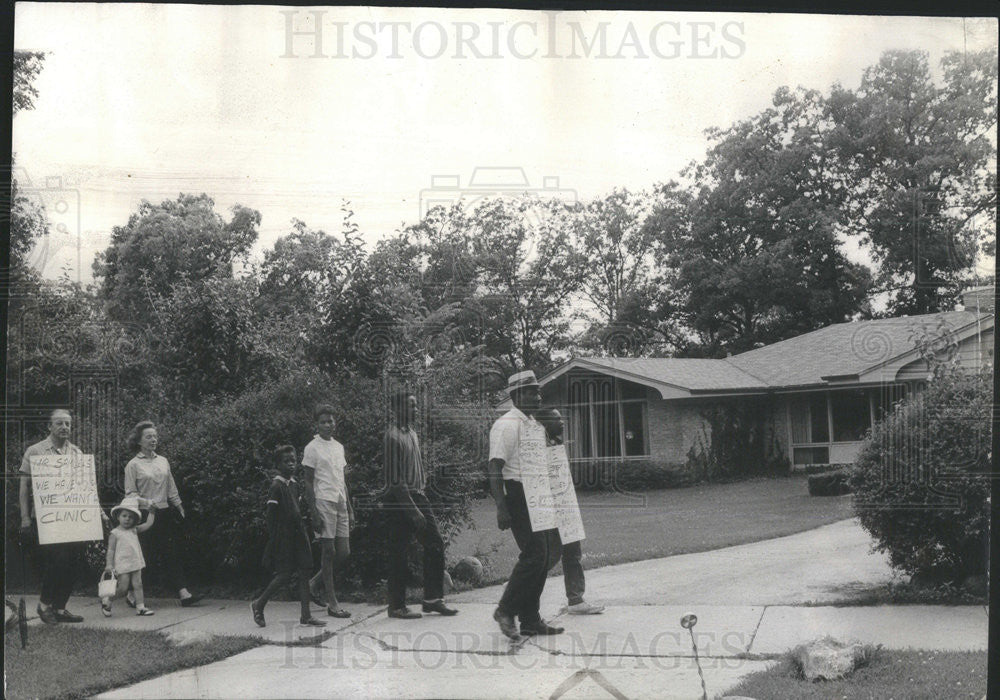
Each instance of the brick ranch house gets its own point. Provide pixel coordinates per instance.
(826, 388)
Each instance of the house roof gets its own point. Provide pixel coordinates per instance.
(844, 349)
(838, 352)
(695, 374)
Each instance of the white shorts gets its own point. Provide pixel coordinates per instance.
(335, 522)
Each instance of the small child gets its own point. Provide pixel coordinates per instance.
(572, 553)
(125, 558)
(287, 549)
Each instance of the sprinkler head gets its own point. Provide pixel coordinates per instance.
(689, 621)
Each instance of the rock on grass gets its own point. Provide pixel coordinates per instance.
(829, 659)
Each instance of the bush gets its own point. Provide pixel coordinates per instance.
(921, 483)
(220, 456)
(631, 475)
(832, 483)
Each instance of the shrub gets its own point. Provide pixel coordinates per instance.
(631, 475)
(921, 483)
(220, 456)
(831, 483)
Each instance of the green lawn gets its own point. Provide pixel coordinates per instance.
(662, 523)
(73, 662)
(914, 675)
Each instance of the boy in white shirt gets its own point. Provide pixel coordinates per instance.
(326, 492)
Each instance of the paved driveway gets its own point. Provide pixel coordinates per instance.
(817, 566)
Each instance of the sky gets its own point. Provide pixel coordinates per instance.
(401, 106)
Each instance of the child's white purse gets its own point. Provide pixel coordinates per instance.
(107, 586)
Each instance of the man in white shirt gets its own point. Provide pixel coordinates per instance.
(332, 514)
(539, 550)
(63, 562)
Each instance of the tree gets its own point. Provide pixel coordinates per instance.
(27, 66)
(28, 223)
(919, 168)
(636, 309)
(529, 271)
(182, 239)
(610, 232)
(207, 339)
(752, 253)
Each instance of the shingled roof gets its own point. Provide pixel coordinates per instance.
(811, 359)
(843, 349)
(694, 374)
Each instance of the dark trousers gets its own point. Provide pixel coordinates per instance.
(540, 551)
(159, 548)
(62, 563)
(401, 530)
(573, 572)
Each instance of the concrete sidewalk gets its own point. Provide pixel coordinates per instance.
(636, 651)
(821, 566)
(744, 598)
(648, 630)
(640, 651)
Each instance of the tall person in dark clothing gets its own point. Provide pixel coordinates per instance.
(409, 513)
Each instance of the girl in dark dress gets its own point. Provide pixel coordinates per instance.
(287, 550)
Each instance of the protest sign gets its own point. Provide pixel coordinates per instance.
(65, 494)
(535, 477)
(564, 504)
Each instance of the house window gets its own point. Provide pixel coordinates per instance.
(885, 398)
(633, 428)
(809, 420)
(850, 413)
(811, 455)
(607, 418)
(810, 425)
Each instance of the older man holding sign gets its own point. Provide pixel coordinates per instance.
(58, 491)
(519, 483)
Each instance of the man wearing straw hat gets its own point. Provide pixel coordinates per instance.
(539, 550)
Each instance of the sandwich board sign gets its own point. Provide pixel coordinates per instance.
(564, 503)
(65, 494)
(535, 477)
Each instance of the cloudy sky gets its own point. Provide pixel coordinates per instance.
(147, 101)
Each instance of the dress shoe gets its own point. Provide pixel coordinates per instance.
(257, 614)
(540, 628)
(440, 608)
(67, 616)
(47, 615)
(404, 613)
(506, 623)
(191, 600)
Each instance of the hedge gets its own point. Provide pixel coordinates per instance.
(922, 482)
